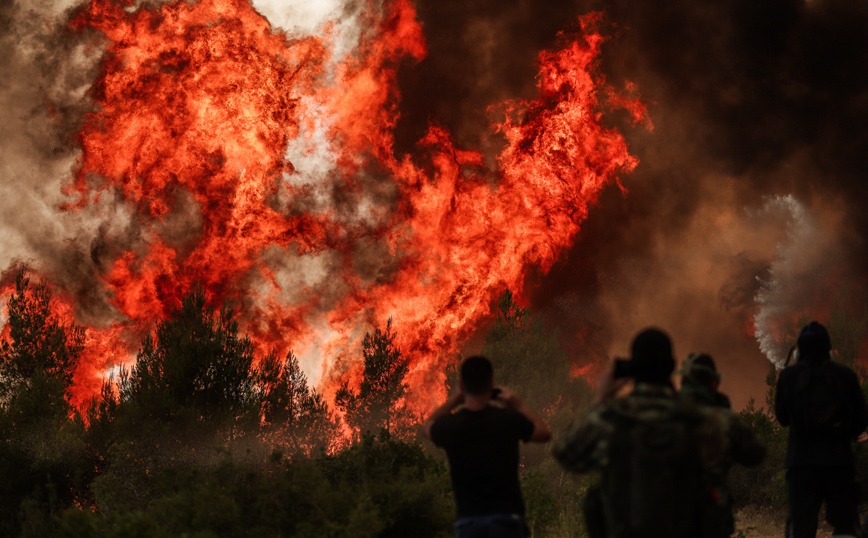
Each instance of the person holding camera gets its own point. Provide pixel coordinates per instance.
(658, 452)
(481, 443)
(822, 404)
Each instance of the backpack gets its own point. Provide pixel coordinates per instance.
(821, 407)
(653, 484)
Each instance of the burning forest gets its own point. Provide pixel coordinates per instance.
(262, 166)
(324, 181)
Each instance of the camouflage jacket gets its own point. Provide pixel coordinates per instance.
(722, 437)
(634, 499)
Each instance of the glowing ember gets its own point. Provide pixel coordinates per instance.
(198, 106)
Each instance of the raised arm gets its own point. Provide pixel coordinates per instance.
(455, 399)
(783, 397)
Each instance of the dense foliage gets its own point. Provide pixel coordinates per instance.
(42, 449)
(377, 404)
(201, 438)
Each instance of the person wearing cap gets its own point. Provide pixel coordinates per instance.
(822, 404)
(700, 380)
(482, 445)
(652, 447)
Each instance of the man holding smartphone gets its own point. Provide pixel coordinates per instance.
(481, 443)
(654, 450)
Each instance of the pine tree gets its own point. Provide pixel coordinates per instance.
(197, 369)
(376, 405)
(37, 362)
(41, 448)
(291, 412)
(527, 357)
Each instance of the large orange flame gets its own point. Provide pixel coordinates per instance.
(199, 103)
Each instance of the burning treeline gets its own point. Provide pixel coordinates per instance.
(166, 159)
(259, 165)
(153, 147)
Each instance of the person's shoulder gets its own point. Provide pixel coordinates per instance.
(448, 420)
(647, 395)
(791, 375)
(847, 376)
(489, 413)
(791, 370)
(623, 405)
(841, 369)
(724, 415)
(644, 405)
(718, 423)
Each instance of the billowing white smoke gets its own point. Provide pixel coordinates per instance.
(314, 158)
(801, 262)
(338, 19)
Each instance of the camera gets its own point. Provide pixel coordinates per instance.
(623, 368)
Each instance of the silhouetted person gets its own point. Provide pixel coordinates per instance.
(700, 380)
(822, 404)
(481, 442)
(654, 449)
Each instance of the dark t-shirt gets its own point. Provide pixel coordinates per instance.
(833, 449)
(482, 447)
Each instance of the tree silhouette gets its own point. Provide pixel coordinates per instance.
(291, 412)
(198, 368)
(41, 449)
(37, 362)
(527, 357)
(376, 404)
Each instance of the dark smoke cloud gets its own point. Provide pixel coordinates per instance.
(46, 72)
(750, 101)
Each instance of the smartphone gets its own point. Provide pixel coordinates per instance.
(622, 368)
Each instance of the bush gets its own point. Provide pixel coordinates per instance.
(764, 485)
(410, 489)
(380, 487)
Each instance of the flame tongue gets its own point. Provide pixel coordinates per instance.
(206, 98)
(470, 239)
(200, 97)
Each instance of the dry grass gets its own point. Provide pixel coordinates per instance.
(751, 522)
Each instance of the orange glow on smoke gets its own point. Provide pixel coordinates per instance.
(206, 97)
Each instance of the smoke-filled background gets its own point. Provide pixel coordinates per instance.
(748, 205)
(750, 196)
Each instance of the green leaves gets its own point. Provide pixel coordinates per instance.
(377, 403)
(198, 366)
(39, 356)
